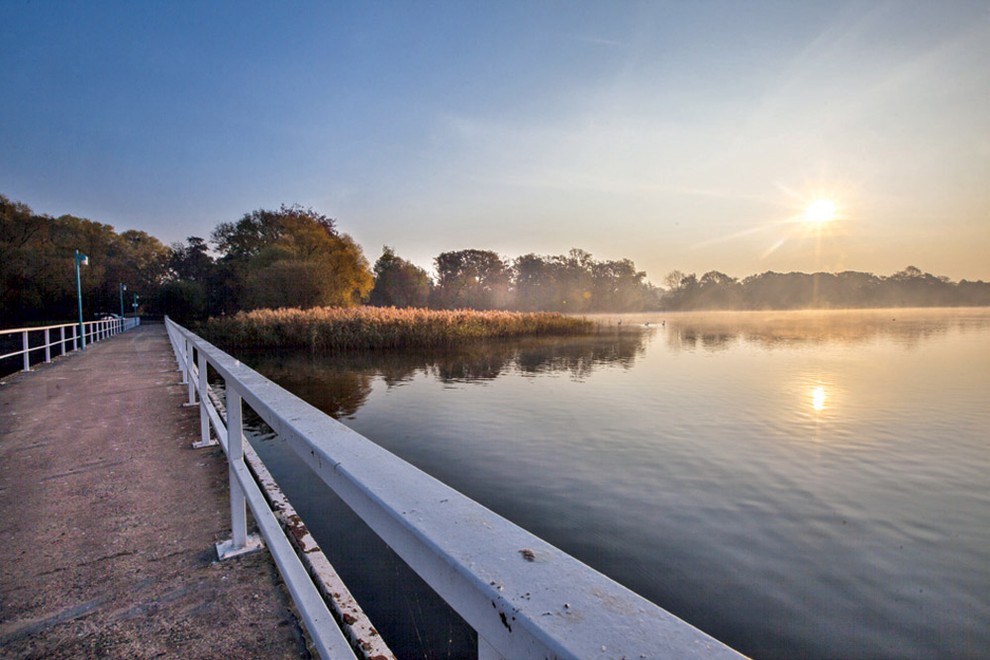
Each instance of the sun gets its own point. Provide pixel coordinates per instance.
(820, 211)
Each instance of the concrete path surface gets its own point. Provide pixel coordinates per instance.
(108, 519)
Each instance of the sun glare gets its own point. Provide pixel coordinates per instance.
(818, 398)
(820, 211)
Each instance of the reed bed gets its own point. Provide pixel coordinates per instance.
(339, 329)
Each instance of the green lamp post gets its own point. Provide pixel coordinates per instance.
(84, 260)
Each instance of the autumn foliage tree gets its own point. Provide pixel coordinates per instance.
(292, 257)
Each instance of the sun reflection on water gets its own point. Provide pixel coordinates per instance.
(818, 398)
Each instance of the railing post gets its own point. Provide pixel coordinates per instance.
(204, 417)
(62, 340)
(25, 346)
(183, 360)
(189, 375)
(235, 453)
(48, 346)
(239, 542)
(177, 342)
(75, 338)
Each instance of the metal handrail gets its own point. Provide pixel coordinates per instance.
(93, 332)
(523, 596)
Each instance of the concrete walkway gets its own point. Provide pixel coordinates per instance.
(108, 519)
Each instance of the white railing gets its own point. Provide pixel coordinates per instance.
(67, 333)
(524, 597)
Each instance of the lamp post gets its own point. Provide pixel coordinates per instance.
(123, 287)
(84, 260)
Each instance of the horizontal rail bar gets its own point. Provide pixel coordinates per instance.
(92, 330)
(352, 619)
(525, 597)
(326, 636)
(95, 330)
(41, 327)
(129, 322)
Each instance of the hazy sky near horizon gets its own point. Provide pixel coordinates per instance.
(687, 135)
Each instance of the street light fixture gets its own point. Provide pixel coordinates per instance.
(123, 287)
(84, 260)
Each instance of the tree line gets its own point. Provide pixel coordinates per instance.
(296, 257)
(288, 257)
(910, 287)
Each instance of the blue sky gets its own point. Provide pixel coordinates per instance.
(687, 135)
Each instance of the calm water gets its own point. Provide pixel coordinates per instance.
(797, 485)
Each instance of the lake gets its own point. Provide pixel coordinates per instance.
(803, 484)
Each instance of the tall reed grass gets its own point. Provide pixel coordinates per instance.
(337, 329)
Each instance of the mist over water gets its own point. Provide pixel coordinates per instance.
(796, 484)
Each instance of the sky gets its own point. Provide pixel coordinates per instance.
(681, 135)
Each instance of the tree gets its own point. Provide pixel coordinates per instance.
(681, 288)
(577, 283)
(192, 260)
(618, 286)
(259, 230)
(399, 283)
(293, 257)
(575, 280)
(478, 279)
(182, 300)
(37, 264)
(143, 265)
(716, 290)
(673, 280)
(24, 241)
(537, 285)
